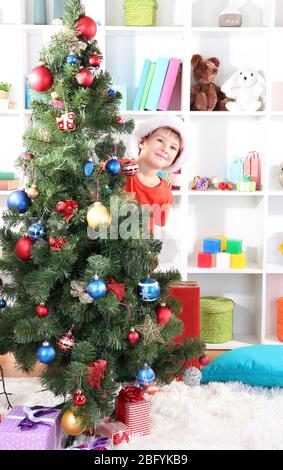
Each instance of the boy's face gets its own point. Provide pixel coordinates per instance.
(160, 149)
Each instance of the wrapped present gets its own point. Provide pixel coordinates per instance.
(97, 444)
(35, 428)
(117, 432)
(133, 410)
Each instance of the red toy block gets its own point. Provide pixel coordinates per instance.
(204, 260)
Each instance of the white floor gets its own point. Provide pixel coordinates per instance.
(215, 416)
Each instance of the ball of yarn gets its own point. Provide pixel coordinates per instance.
(192, 377)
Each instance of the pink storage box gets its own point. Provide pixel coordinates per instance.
(46, 436)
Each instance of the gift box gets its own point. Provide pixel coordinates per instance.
(133, 410)
(188, 293)
(35, 428)
(117, 432)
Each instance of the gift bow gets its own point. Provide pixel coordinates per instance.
(67, 208)
(122, 436)
(33, 417)
(98, 444)
(131, 394)
(78, 289)
(56, 243)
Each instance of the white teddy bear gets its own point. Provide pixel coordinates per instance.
(246, 86)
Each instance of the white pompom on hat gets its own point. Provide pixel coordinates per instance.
(148, 127)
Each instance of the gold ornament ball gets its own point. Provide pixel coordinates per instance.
(32, 192)
(55, 95)
(98, 215)
(71, 424)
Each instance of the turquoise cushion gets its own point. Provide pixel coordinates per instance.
(260, 365)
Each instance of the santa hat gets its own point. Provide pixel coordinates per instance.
(148, 127)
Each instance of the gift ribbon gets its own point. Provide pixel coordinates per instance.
(131, 394)
(67, 208)
(98, 444)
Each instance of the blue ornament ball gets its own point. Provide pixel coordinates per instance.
(45, 353)
(88, 169)
(72, 59)
(145, 376)
(148, 290)
(111, 93)
(2, 303)
(113, 167)
(96, 289)
(19, 200)
(36, 231)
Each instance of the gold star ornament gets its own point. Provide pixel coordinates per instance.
(151, 331)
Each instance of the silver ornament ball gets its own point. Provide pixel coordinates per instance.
(192, 377)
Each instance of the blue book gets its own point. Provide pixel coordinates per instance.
(141, 86)
(157, 84)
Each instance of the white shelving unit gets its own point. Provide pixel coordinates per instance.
(186, 27)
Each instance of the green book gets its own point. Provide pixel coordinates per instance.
(147, 86)
(7, 175)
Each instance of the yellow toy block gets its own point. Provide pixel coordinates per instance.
(223, 241)
(238, 261)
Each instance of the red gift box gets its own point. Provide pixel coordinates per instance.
(133, 410)
(188, 293)
(117, 432)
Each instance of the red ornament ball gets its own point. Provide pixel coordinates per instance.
(95, 60)
(120, 120)
(133, 336)
(79, 399)
(87, 28)
(66, 343)
(85, 78)
(204, 360)
(163, 314)
(41, 310)
(40, 79)
(23, 248)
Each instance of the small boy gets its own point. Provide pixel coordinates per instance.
(160, 144)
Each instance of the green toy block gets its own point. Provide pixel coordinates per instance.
(234, 247)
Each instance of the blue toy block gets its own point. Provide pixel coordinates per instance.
(212, 245)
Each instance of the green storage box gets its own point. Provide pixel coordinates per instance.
(216, 319)
(140, 12)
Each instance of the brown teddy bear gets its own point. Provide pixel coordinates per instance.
(205, 95)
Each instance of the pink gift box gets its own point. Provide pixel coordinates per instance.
(46, 436)
(117, 432)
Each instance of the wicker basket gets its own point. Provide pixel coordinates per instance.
(140, 12)
(216, 319)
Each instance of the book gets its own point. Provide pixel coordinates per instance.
(169, 84)
(141, 86)
(157, 84)
(9, 185)
(7, 175)
(147, 85)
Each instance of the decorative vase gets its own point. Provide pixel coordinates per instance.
(57, 10)
(39, 12)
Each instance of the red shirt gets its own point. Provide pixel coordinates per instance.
(159, 198)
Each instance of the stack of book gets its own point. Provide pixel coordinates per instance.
(8, 181)
(160, 85)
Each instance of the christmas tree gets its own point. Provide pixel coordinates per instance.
(75, 300)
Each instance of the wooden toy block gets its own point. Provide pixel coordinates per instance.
(223, 241)
(234, 247)
(211, 245)
(223, 260)
(238, 261)
(204, 260)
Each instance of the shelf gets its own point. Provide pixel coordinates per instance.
(228, 114)
(143, 113)
(226, 193)
(227, 30)
(272, 268)
(144, 29)
(252, 268)
(272, 339)
(234, 344)
(275, 193)
(5, 193)
(10, 112)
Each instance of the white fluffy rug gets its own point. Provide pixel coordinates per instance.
(214, 416)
